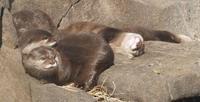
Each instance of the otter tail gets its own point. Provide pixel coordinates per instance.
(168, 37)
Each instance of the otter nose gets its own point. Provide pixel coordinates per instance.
(51, 61)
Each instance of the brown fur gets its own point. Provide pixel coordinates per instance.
(30, 20)
(26, 21)
(83, 56)
(108, 33)
(89, 56)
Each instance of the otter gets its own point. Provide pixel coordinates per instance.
(79, 58)
(128, 41)
(30, 20)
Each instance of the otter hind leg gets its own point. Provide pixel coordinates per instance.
(85, 78)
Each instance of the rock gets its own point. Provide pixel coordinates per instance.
(14, 86)
(9, 33)
(164, 73)
(53, 93)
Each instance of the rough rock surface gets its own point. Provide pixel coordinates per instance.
(164, 73)
(14, 86)
(53, 93)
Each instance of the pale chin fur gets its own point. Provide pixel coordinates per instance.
(42, 66)
(34, 45)
(50, 66)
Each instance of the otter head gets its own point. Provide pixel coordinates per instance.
(46, 63)
(41, 62)
(35, 38)
(44, 58)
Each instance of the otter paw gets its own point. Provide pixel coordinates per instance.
(133, 44)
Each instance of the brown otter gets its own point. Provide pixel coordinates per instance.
(78, 58)
(26, 20)
(29, 20)
(126, 41)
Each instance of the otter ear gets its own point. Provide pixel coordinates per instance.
(50, 41)
(45, 38)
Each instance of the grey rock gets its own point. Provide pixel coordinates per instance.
(14, 86)
(9, 37)
(164, 73)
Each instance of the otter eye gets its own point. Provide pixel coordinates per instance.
(43, 58)
(30, 41)
(46, 37)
